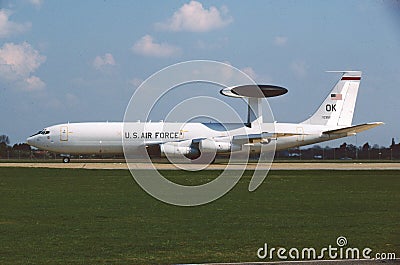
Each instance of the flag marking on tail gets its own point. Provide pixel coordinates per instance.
(351, 78)
(336, 96)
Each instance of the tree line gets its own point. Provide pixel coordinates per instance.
(344, 151)
(21, 150)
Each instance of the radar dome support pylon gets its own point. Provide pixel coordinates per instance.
(254, 93)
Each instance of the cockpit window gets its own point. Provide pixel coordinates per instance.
(44, 131)
(39, 132)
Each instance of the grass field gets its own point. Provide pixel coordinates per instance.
(76, 216)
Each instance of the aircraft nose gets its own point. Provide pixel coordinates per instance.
(29, 140)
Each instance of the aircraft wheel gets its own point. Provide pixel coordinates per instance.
(66, 159)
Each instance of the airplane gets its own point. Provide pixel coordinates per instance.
(332, 120)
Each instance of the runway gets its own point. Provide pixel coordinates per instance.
(233, 166)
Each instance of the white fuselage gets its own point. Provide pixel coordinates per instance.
(108, 137)
(332, 120)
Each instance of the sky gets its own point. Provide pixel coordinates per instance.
(63, 61)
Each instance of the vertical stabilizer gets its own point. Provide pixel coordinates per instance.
(338, 107)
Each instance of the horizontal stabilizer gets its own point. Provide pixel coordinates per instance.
(355, 129)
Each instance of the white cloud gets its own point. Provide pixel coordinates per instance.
(257, 77)
(33, 83)
(7, 27)
(299, 68)
(280, 40)
(18, 62)
(250, 72)
(136, 82)
(193, 17)
(36, 3)
(102, 61)
(146, 46)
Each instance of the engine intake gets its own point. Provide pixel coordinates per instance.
(179, 149)
(209, 145)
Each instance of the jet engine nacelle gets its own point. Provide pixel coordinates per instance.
(209, 145)
(179, 149)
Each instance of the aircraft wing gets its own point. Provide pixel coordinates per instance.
(355, 129)
(260, 137)
(252, 138)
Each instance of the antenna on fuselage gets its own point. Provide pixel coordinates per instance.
(254, 94)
